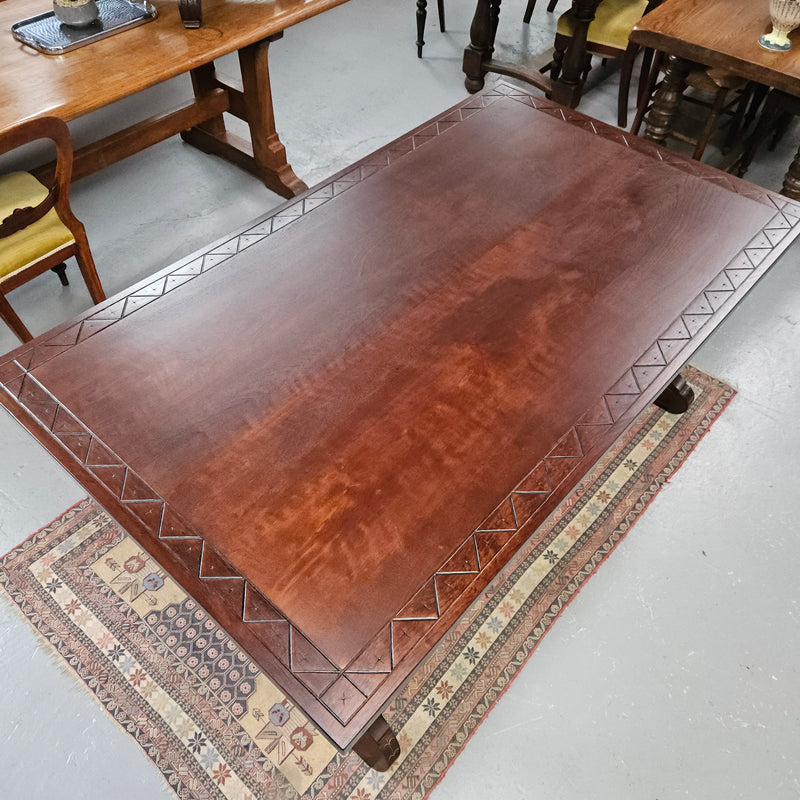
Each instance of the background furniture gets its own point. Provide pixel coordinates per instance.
(565, 89)
(723, 34)
(108, 70)
(532, 4)
(383, 468)
(607, 36)
(729, 95)
(38, 230)
(422, 14)
(779, 109)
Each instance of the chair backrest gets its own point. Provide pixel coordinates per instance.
(58, 194)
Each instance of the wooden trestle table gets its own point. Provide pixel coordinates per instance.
(336, 427)
(105, 71)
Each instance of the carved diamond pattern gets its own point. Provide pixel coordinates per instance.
(343, 699)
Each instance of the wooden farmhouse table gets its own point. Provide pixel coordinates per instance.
(723, 34)
(335, 427)
(110, 69)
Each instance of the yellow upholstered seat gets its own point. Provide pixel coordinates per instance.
(612, 23)
(38, 240)
(608, 36)
(38, 230)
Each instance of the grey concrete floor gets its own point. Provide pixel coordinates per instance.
(675, 671)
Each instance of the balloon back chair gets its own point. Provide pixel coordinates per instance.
(38, 230)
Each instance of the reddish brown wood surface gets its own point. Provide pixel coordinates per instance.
(723, 34)
(335, 437)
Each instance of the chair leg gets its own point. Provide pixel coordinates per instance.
(526, 18)
(83, 255)
(61, 271)
(9, 316)
(768, 117)
(558, 59)
(781, 126)
(422, 13)
(440, 4)
(711, 121)
(644, 73)
(759, 95)
(735, 127)
(587, 68)
(646, 95)
(625, 84)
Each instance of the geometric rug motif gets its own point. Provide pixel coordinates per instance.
(217, 727)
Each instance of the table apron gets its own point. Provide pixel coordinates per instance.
(701, 55)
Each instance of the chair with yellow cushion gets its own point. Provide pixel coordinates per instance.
(608, 37)
(38, 230)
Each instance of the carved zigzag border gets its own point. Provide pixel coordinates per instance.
(345, 690)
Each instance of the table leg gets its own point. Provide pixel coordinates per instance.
(677, 397)
(665, 103)
(791, 181)
(204, 82)
(264, 155)
(268, 150)
(479, 48)
(422, 14)
(568, 86)
(378, 747)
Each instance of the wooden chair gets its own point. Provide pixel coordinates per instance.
(728, 95)
(422, 14)
(608, 37)
(38, 230)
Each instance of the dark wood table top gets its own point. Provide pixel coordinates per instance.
(335, 428)
(723, 34)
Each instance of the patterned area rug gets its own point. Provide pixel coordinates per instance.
(217, 727)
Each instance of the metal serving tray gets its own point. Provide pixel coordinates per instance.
(47, 35)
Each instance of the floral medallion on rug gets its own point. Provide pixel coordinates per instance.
(216, 726)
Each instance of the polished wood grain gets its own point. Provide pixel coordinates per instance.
(337, 427)
(722, 34)
(97, 75)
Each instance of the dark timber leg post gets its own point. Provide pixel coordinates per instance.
(677, 397)
(378, 747)
(791, 181)
(422, 15)
(61, 271)
(665, 103)
(479, 49)
(567, 88)
(494, 20)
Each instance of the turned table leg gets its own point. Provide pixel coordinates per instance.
(665, 103)
(479, 48)
(677, 397)
(568, 86)
(378, 746)
(791, 181)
